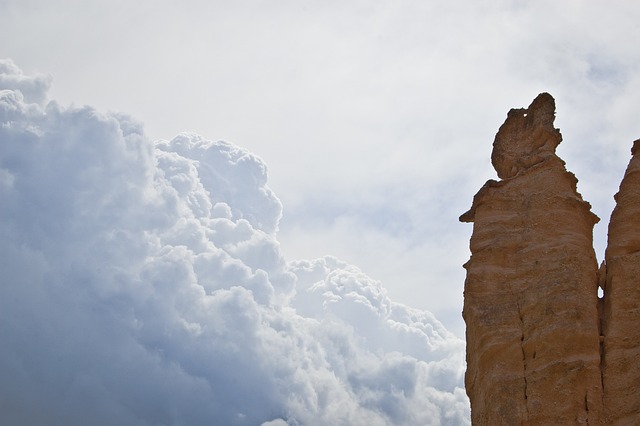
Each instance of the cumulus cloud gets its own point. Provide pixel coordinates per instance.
(33, 88)
(143, 284)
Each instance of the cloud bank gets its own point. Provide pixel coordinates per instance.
(143, 284)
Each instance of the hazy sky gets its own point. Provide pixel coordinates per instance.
(375, 119)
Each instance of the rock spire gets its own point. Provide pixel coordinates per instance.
(542, 348)
(621, 315)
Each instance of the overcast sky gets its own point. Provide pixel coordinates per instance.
(374, 121)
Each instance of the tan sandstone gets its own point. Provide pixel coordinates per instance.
(621, 316)
(530, 298)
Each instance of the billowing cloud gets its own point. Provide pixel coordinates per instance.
(143, 284)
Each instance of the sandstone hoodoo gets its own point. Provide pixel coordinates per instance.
(539, 349)
(621, 316)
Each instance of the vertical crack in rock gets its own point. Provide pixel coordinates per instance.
(524, 361)
(602, 279)
(530, 298)
(621, 313)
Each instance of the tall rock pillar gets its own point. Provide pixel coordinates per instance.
(621, 319)
(530, 298)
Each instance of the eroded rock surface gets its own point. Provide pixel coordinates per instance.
(621, 317)
(533, 349)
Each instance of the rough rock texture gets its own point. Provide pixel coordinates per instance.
(533, 347)
(621, 316)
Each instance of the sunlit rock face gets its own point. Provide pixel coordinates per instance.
(621, 319)
(530, 306)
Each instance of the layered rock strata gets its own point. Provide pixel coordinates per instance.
(621, 315)
(533, 347)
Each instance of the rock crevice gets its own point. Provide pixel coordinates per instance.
(542, 348)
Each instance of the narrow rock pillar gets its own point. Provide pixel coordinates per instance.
(530, 298)
(621, 319)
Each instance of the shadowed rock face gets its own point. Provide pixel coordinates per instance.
(533, 348)
(621, 317)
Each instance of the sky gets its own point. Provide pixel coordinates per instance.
(248, 210)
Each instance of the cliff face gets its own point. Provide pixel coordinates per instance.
(541, 347)
(621, 316)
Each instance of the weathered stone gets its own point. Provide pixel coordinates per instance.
(533, 347)
(621, 316)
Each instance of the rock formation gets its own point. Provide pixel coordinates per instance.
(621, 316)
(541, 348)
(533, 350)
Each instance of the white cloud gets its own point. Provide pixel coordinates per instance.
(32, 88)
(376, 119)
(143, 283)
(387, 106)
